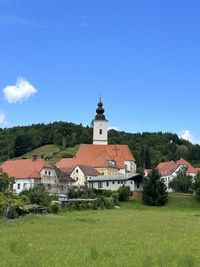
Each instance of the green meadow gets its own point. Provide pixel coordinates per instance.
(134, 235)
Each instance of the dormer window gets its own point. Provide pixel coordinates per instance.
(112, 163)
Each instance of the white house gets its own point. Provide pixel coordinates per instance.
(27, 173)
(169, 170)
(82, 173)
(113, 182)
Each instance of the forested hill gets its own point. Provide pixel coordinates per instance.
(148, 148)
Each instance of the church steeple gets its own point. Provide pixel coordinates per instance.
(100, 126)
(100, 111)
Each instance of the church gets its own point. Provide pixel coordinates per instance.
(105, 158)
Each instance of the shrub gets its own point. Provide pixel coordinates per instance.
(124, 193)
(182, 182)
(54, 208)
(38, 195)
(196, 186)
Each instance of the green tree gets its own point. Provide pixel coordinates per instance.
(196, 186)
(182, 152)
(154, 190)
(38, 195)
(182, 182)
(5, 182)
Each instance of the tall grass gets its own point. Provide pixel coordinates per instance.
(134, 235)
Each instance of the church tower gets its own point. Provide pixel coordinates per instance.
(100, 126)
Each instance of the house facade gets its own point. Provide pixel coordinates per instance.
(169, 170)
(80, 174)
(114, 182)
(28, 173)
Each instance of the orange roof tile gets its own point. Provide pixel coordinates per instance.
(167, 168)
(24, 168)
(99, 156)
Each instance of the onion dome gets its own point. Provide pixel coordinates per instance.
(100, 111)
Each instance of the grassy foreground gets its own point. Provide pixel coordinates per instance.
(134, 235)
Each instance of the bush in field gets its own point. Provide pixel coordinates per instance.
(154, 190)
(15, 203)
(83, 192)
(38, 195)
(124, 193)
(196, 186)
(105, 199)
(182, 182)
(54, 208)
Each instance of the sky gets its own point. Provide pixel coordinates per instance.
(142, 57)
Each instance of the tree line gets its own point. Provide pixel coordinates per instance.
(148, 148)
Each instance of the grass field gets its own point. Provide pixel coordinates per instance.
(52, 152)
(134, 235)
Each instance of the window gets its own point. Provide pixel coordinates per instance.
(25, 185)
(100, 131)
(100, 184)
(45, 172)
(18, 186)
(113, 182)
(49, 173)
(118, 182)
(76, 170)
(107, 183)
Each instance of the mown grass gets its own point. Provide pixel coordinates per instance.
(134, 235)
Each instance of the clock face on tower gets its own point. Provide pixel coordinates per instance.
(100, 124)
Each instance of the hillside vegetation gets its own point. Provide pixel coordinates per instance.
(52, 153)
(148, 148)
(134, 235)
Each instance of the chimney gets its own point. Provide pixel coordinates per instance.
(34, 157)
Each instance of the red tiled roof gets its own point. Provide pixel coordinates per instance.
(87, 170)
(99, 156)
(167, 168)
(24, 168)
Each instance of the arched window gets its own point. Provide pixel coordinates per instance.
(100, 131)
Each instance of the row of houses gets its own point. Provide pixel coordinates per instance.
(95, 166)
(99, 165)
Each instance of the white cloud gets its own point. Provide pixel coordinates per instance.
(116, 128)
(187, 135)
(19, 92)
(2, 118)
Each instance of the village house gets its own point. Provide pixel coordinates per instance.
(114, 182)
(28, 173)
(80, 174)
(169, 170)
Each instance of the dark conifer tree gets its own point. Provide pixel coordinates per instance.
(154, 190)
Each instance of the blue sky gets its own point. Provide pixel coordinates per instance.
(143, 57)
